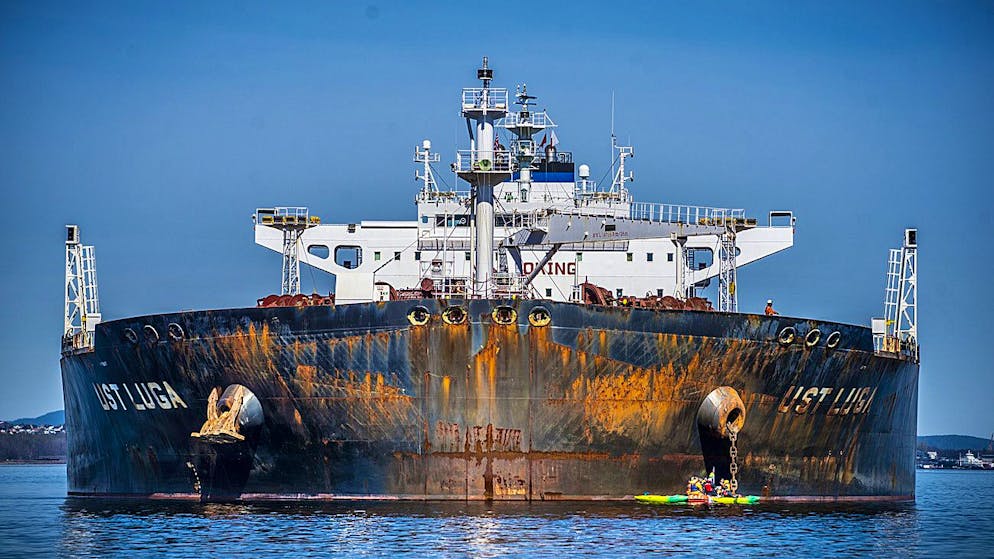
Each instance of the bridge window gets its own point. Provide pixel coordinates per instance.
(396, 256)
(376, 255)
(781, 219)
(348, 256)
(669, 257)
(628, 256)
(579, 257)
(648, 257)
(417, 255)
(620, 292)
(321, 251)
(659, 293)
(548, 292)
(699, 258)
(467, 257)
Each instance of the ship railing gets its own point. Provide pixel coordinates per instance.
(892, 345)
(483, 161)
(473, 98)
(451, 287)
(535, 119)
(584, 187)
(522, 220)
(77, 340)
(509, 285)
(557, 157)
(285, 215)
(441, 196)
(593, 197)
(692, 215)
(660, 213)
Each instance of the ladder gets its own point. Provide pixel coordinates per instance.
(88, 275)
(727, 297)
(689, 258)
(892, 292)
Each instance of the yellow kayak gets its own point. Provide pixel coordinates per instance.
(677, 499)
(741, 500)
(661, 499)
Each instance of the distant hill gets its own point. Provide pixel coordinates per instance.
(50, 418)
(953, 442)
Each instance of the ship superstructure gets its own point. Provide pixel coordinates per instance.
(480, 242)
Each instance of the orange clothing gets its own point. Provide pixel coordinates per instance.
(770, 311)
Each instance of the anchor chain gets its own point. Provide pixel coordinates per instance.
(733, 452)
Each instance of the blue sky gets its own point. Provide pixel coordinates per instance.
(160, 127)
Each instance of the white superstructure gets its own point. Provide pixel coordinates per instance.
(518, 230)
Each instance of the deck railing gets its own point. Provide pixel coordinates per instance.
(472, 98)
(692, 215)
(478, 160)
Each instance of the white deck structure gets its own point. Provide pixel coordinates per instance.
(530, 181)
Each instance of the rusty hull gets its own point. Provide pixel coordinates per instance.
(601, 403)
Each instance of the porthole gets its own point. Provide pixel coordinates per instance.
(504, 315)
(151, 334)
(418, 316)
(175, 332)
(539, 316)
(812, 337)
(787, 335)
(834, 339)
(454, 315)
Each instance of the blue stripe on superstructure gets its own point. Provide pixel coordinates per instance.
(539, 176)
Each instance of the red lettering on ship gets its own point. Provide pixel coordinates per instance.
(451, 437)
(551, 269)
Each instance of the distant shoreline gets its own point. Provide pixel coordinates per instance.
(32, 462)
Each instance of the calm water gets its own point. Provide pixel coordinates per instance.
(954, 515)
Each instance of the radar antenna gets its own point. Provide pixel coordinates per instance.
(424, 156)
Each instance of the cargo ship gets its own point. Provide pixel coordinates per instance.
(536, 336)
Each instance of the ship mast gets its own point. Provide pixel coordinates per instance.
(82, 308)
(897, 332)
(525, 124)
(484, 166)
(425, 156)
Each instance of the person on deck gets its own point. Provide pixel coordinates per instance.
(769, 308)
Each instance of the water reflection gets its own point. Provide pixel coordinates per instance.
(92, 527)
